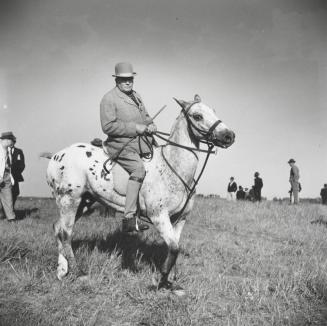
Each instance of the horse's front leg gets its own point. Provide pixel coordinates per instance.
(171, 236)
(178, 227)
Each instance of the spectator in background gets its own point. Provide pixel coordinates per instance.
(17, 161)
(6, 203)
(323, 194)
(231, 189)
(294, 180)
(251, 194)
(240, 194)
(258, 184)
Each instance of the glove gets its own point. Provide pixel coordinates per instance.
(151, 129)
(140, 129)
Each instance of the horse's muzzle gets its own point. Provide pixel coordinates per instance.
(224, 139)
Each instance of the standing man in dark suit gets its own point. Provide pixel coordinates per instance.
(17, 159)
(323, 194)
(231, 189)
(258, 184)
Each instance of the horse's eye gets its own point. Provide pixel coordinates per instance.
(197, 117)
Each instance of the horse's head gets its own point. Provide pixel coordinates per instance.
(204, 124)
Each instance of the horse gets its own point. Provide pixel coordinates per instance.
(78, 174)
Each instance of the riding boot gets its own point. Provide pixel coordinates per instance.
(130, 222)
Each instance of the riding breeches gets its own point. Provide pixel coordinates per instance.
(133, 164)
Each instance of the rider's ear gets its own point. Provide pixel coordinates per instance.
(182, 103)
(197, 98)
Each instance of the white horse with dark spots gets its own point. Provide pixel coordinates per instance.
(77, 174)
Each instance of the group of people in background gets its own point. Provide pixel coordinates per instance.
(240, 193)
(254, 194)
(12, 165)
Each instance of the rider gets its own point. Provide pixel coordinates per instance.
(129, 128)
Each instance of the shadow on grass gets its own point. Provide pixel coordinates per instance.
(130, 247)
(21, 214)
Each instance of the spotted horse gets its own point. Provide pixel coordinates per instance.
(76, 174)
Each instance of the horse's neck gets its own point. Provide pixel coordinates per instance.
(183, 161)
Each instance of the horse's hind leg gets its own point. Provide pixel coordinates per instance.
(63, 228)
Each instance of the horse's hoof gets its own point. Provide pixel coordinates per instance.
(179, 291)
(61, 273)
(173, 288)
(62, 268)
(82, 278)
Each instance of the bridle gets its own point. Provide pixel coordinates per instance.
(207, 134)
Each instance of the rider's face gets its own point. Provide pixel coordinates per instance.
(125, 84)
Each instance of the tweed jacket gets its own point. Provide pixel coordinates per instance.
(119, 115)
(294, 174)
(17, 164)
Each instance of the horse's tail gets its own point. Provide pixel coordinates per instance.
(47, 155)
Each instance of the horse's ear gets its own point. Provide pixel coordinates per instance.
(197, 98)
(182, 103)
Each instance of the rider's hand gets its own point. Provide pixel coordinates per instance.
(151, 129)
(140, 129)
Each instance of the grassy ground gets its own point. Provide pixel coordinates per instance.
(241, 264)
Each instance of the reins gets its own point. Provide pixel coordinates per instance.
(175, 218)
(158, 133)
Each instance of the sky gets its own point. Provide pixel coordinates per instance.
(261, 64)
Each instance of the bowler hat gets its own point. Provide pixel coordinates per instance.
(8, 135)
(291, 160)
(124, 69)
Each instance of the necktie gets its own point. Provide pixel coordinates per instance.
(132, 96)
(10, 155)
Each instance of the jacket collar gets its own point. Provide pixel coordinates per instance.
(126, 98)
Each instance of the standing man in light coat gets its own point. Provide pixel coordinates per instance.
(6, 202)
(129, 127)
(294, 180)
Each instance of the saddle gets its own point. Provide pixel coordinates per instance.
(120, 176)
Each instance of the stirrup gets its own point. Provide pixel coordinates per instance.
(132, 224)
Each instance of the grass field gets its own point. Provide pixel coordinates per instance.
(241, 264)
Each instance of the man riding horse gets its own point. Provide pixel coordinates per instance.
(129, 127)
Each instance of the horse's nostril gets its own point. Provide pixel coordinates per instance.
(228, 138)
